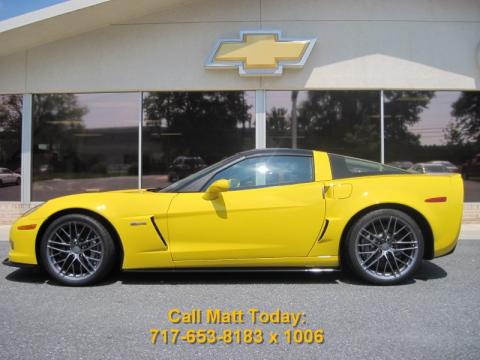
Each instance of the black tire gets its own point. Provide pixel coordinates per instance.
(17, 182)
(366, 252)
(78, 250)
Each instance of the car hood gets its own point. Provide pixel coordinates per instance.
(118, 203)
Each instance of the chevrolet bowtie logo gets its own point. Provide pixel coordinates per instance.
(258, 53)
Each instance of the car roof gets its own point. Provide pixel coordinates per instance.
(277, 151)
(430, 164)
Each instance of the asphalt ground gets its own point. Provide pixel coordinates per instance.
(434, 316)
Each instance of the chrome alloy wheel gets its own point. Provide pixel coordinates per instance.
(75, 250)
(386, 247)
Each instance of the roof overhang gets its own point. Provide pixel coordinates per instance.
(71, 18)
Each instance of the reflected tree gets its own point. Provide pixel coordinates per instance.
(340, 121)
(10, 130)
(206, 124)
(277, 120)
(57, 118)
(348, 122)
(466, 126)
(403, 109)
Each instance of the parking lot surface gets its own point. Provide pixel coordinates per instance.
(434, 316)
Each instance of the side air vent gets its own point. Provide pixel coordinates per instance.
(158, 231)
(323, 230)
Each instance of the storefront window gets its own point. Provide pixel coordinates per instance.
(10, 146)
(435, 127)
(342, 122)
(183, 132)
(84, 143)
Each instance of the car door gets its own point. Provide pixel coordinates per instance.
(274, 208)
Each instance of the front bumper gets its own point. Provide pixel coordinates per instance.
(7, 262)
(22, 242)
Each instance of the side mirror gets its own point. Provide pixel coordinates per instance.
(216, 188)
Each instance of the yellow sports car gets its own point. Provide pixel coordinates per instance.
(279, 208)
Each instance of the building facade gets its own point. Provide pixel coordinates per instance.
(106, 94)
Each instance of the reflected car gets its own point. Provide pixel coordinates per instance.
(259, 209)
(401, 164)
(450, 167)
(183, 166)
(428, 168)
(471, 168)
(8, 177)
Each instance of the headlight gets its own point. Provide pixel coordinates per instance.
(33, 209)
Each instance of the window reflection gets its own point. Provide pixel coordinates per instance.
(343, 122)
(435, 131)
(84, 143)
(10, 146)
(267, 171)
(183, 132)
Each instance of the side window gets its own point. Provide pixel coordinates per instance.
(267, 171)
(345, 167)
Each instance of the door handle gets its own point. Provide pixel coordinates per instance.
(324, 190)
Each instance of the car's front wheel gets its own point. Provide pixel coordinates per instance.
(77, 250)
(384, 247)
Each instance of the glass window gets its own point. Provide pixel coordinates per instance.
(84, 143)
(267, 171)
(342, 122)
(345, 167)
(184, 132)
(435, 127)
(10, 146)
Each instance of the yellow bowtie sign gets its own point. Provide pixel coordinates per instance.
(260, 53)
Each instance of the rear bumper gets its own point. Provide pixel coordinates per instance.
(448, 248)
(450, 252)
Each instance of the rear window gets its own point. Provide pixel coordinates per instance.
(436, 169)
(346, 167)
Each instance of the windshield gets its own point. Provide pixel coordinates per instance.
(195, 176)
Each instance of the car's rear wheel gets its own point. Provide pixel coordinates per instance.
(384, 247)
(77, 250)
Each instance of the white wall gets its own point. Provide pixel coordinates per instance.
(362, 44)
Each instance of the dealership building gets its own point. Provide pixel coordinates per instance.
(100, 95)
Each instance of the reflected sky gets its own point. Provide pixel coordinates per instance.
(110, 109)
